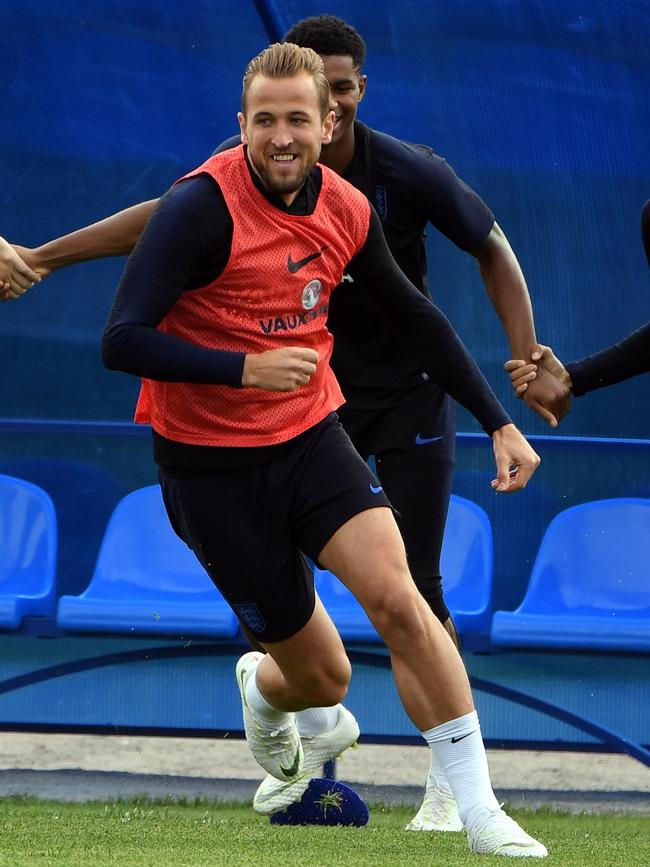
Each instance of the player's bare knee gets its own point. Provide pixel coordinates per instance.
(324, 692)
(400, 617)
(328, 685)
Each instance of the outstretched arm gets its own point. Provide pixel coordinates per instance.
(116, 235)
(625, 359)
(426, 330)
(506, 286)
(16, 277)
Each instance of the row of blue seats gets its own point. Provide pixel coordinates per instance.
(589, 586)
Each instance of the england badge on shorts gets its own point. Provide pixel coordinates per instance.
(250, 614)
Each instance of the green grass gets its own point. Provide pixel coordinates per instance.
(197, 835)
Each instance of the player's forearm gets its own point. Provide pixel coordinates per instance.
(146, 352)
(447, 361)
(630, 357)
(506, 286)
(116, 235)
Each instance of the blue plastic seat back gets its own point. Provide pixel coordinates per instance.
(141, 556)
(466, 561)
(28, 544)
(594, 559)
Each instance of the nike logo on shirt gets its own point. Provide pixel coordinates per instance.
(375, 490)
(424, 441)
(296, 266)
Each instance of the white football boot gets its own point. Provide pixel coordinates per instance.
(277, 750)
(274, 795)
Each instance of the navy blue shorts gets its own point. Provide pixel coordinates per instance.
(414, 448)
(250, 528)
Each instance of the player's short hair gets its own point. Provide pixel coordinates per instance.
(328, 35)
(284, 60)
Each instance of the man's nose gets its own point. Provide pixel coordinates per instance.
(282, 136)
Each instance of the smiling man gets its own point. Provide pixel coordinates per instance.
(394, 410)
(256, 470)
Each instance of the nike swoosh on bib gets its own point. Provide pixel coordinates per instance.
(424, 441)
(296, 266)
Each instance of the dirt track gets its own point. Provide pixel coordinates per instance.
(225, 769)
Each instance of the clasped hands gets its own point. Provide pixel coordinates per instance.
(543, 383)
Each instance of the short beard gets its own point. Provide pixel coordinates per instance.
(291, 186)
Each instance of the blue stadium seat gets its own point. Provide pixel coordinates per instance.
(466, 565)
(146, 580)
(590, 584)
(28, 547)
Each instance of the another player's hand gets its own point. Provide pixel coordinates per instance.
(516, 460)
(16, 276)
(543, 383)
(522, 372)
(280, 369)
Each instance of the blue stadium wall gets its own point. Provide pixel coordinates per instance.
(540, 105)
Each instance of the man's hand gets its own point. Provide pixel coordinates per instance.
(516, 460)
(544, 363)
(280, 369)
(16, 276)
(521, 372)
(548, 397)
(543, 383)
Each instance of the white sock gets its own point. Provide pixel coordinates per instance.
(317, 720)
(458, 747)
(266, 714)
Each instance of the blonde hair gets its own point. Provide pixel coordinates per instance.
(284, 60)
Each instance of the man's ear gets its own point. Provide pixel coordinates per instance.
(328, 128)
(363, 83)
(242, 127)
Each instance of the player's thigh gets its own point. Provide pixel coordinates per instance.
(367, 554)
